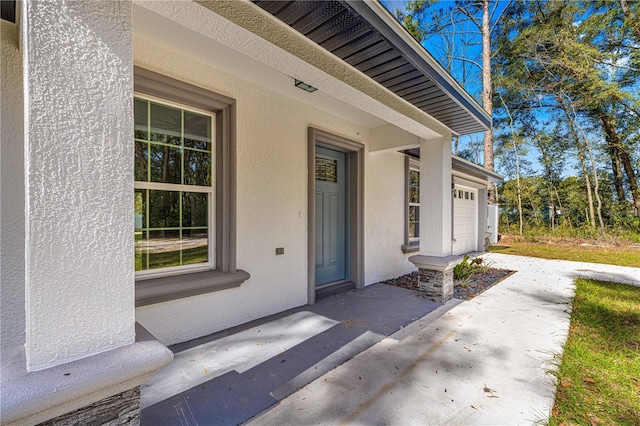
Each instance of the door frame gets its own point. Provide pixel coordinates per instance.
(355, 207)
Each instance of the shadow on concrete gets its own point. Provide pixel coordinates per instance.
(615, 277)
(364, 317)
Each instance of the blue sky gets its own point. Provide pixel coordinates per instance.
(472, 83)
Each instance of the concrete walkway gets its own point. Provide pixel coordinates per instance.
(486, 361)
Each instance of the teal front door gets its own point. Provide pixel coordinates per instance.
(331, 216)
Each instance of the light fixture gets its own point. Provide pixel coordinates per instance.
(304, 86)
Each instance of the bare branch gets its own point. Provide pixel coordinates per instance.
(495, 23)
(471, 17)
(467, 60)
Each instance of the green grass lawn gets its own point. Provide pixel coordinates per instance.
(613, 255)
(599, 375)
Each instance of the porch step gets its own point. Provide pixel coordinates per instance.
(325, 292)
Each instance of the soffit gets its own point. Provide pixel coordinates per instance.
(355, 33)
(463, 166)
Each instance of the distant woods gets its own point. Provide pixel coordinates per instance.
(564, 84)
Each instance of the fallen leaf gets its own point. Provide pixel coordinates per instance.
(486, 389)
(565, 383)
(589, 380)
(205, 371)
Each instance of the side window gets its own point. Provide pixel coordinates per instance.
(174, 188)
(412, 205)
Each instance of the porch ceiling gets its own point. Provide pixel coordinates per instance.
(365, 38)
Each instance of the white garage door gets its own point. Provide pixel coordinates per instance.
(465, 220)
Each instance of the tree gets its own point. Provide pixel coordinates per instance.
(423, 21)
(583, 53)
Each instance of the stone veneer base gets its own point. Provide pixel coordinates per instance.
(122, 409)
(436, 285)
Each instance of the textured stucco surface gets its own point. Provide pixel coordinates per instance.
(248, 16)
(272, 175)
(12, 197)
(271, 206)
(384, 218)
(251, 31)
(79, 179)
(435, 174)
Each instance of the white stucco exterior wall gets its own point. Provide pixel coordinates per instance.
(435, 205)
(79, 179)
(271, 206)
(385, 181)
(12, 316)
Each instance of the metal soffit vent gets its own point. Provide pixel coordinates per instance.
(365, 43)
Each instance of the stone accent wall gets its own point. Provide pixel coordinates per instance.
(436, 285)
(487, 240)
(122, 409)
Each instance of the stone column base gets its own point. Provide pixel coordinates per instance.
(122, 409)
(487, 240)
(436, 285)
(436, 276)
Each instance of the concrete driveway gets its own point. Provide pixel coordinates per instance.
(484, 361)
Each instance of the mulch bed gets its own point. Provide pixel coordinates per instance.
(477, 283)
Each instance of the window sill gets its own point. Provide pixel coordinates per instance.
(410, 248)
(157, 290)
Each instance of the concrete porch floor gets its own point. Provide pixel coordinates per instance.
(229, 377)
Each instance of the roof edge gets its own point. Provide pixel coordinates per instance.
(376, 14)
(464, 165)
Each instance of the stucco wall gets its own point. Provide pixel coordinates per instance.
(271, 207)
(12, 320)
(79, 179)
(384, 218)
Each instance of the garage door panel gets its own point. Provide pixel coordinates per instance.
(465, 220)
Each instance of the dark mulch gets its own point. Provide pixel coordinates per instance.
(476, 284)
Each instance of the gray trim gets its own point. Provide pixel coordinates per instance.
(410, 248)
(417, 59)
(355, 159)
(159, 290)
(469, 183)
(461, 165)
(225, 275)
(367, 38)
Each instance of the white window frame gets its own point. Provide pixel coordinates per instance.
(411, 204)
(411, 244)
(210, 190)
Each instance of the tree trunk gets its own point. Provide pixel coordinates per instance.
(616, 170)
(633, 183)
(552, 209)
(587, 183)
(613, 139)
(487, 91)
(573, 121)
(572, 126)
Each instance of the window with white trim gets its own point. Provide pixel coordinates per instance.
(174, 191)
(412, 205)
